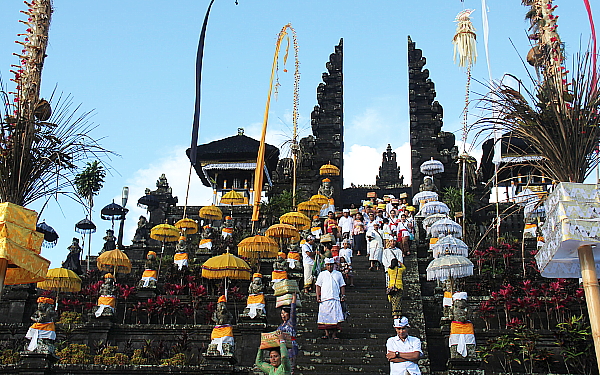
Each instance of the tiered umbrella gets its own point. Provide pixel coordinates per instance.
(309, 208)
(432, 167)
(85, 226)
(329, 169)
(297, 219)
(319, 199)
(114, 261)
(429, 220)
(226, 266)
(450, 245)
(424, 197)
(112, 212)
(446, 227)
(436, 207)
(258, 247)
(50, 235)
(148, 202)
(449, 267)
(210, 213)
(187, 226)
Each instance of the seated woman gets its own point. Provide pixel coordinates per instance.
(394, 286)
(279, 363)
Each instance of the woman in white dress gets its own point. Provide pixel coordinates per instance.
(375, 247)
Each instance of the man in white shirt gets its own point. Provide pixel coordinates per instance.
(308, 260)
(345, 223)
(331, 292)
(403, 351)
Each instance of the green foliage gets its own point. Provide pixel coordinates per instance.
(109, 356)
(574, 338)
(75, 354)
(9, 356)
(177, 360)
(453, 198)
(138, 358)
(277, 205)
(89, 181)
(70, 317)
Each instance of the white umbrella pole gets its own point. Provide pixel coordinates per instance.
(592, 293)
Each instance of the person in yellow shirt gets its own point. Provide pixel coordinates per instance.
(394, 286)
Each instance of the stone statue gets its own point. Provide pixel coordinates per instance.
(206, 242)
(326, 188)
(280, 264)
(462, 336)
(150, 275)
(227, 230)
(141, 233)
(294, 258)
(181, 255)
(42, 333)
(73, 259)
(107, 302)
(222, 335)
(255, 305)
(110, 241)
(428, 185)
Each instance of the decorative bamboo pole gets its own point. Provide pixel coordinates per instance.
(592, 293)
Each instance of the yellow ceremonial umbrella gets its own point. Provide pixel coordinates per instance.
(283, 232)
(164, 233)
(309, 208)
(319, 199)
(297, 219)
(329, 169)
(60, 280)
(210, 213)
(187, 226)
(258, 246)
(232, 197)
(114, 261)
(226, 266)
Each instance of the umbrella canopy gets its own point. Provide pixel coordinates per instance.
(450, 245)
(435, 207)
(232, 197)
(431, 167)
(61, 280)
(148, 202)
(258, 246)
(113, 211)
(283, 231)
(319, 199)
(445, 227)
(449, 266)
(429, 220)
(164, 233)
(226, 265)
(210, 213)
(50, 235)
(85, 226)
(187, 226)
(114, 261)
(329, 169)
(425, 196)
(297, 219)
(309, 208)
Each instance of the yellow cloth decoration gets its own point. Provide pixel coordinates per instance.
(31, 266)
(44, 326)
(433, 240)
(109, 301)
(278, 275)
(460, 328)
(21, 216)
(221, 331)
(150, 273)
(295, 256)
(256, 298)
(180, 256)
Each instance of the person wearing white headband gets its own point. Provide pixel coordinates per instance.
(403, 351)
(331, 291)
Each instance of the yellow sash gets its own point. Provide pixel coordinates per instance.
(44, 326)
(110, 301)
(460, 328)
(277, 275)
(180, 256)
(256, 298)
(221, 331)
(150, 273)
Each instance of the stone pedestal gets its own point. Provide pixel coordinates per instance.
(36, 363)
(220, 360)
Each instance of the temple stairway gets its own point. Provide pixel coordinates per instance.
(361, 347)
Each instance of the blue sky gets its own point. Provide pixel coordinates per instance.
(132, 62)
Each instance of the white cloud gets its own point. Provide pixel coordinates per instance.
(403, 159)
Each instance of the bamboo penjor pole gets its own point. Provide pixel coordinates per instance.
(592, 293)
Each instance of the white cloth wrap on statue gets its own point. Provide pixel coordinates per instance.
(206, 245)
(461, 341)
(180, 263)
(147, 280)
(222, 340)
(254, 307)
(35, 334)
(292, 263)
(101, 308)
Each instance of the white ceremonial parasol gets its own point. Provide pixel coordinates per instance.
(425, 196)
(436, 207)
(450, 245)
(449, 267)
(445, 227)
(431, 167)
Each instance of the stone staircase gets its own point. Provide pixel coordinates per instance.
(361, 347)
